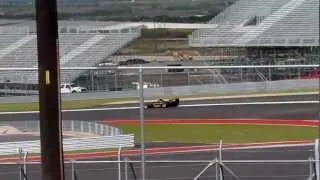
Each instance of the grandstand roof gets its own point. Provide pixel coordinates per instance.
(263, 23)
(26, 26)
(157, 25)
(29, 26)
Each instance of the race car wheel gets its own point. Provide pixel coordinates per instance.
(164, 105)
(145, 107)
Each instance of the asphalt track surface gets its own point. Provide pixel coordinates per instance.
(250, 171)
(176, 170)
(22, 137)
(243, 99)
(305, 111)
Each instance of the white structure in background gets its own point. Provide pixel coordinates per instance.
(145, 85)
(71, 88)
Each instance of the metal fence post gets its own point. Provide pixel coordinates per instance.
(126, 169)
(213, 78)
(311, 168)
(316, 156)
(111, 131)
(115, 81)
(217, 171)
(72, 170)
(141, 122)
(119, 163)
(133, 171)
(105, 129)
(221, 175)
(25, 165)
(20, 158)
(101, 129)
(89, 127)
(241, 74)
(81, 127)
(96, 128)
(22, 171)
(161, 79)
(220, 151)
(72, 125)
(188, 78)
(91, 72)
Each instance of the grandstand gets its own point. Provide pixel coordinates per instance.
(263, 23)
(270, 32)
(82, 43)
(251, 32)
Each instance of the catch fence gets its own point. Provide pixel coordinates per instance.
(126, 78)
(220, 163)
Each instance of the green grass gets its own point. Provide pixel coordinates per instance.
(205, 134)
(75, 104)
(160, 42)
(213, 133)
(17, 107)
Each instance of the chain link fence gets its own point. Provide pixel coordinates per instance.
(294, 163)
(155, 78)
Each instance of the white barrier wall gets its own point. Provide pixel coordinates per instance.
(71, 144)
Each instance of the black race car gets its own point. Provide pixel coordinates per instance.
(160, 103)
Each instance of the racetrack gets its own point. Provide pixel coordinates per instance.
(302, 111)
(250, 171)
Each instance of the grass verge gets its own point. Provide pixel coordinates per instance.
(213, 133)
(74, 104)
(208, 134)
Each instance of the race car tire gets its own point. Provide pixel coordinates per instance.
(163, 105)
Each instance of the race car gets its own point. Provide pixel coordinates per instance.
(160, 103)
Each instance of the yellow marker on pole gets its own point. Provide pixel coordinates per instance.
(47, 77)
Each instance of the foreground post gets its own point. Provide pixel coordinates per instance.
(119, 163)
(142, 122)
(25, 165)
(49, 89)
(317, 157)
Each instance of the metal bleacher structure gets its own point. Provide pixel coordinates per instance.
(272, 32)
(261, 27)
(82, 43)
(247, 28)
(262, 23)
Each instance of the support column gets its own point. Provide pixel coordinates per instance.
(50, 115)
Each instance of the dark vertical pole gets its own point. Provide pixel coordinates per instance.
(50, 114)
